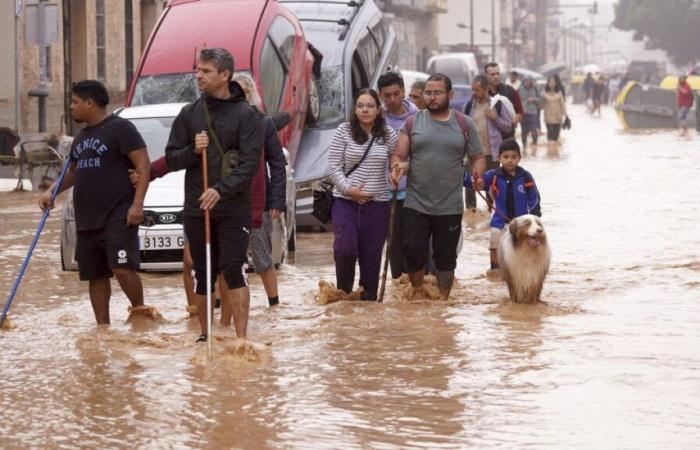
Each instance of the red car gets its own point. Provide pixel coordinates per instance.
(265, 40)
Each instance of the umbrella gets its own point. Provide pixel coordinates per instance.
(552, 68)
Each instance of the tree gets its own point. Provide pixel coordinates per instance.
(671, 25)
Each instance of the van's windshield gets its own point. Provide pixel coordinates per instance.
(453, 68)
(331, 91)
(167, 88)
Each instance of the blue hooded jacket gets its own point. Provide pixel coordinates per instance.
(513, 196)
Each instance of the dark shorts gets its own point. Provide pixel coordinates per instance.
(99, 251)
(229, 244)
(417, 230)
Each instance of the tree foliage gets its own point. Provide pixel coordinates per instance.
(671, 25)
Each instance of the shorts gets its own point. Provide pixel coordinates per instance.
(260, 245)
(683, 113)
(417, 231)
(495, 240)
(99, 251)
(229, 244)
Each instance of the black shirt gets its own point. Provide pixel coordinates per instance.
(102, 192)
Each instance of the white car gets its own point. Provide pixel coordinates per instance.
(161, 237)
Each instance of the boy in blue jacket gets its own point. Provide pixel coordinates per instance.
(514, 194)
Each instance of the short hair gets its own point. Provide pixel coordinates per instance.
(441, 77)
(222, 58)
(418, 85)
(491, 64)
(509, 145)
(481, 80)
(389, 79)
(91, 90)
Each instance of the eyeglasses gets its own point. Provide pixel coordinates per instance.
(365, 105)
(434, 93)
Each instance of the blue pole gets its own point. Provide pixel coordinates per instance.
(15, 286)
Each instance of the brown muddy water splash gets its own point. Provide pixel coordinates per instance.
(611, 360)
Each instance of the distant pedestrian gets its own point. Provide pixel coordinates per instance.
(438, 141)
(531, 112)
(614, 87)
(597, 95)
(554, 113)
(357, 167)
(514, 80)
(416, 94)
(685, 102)
(588, 84)
(108, 209)
(623, 81)
(396, 111)
(493, 73)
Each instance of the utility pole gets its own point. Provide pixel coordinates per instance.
(493, 30)
(41, 92)
(471, 24)
(18, 13)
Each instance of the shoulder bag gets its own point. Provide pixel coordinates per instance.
(323, 198)
(229, 158)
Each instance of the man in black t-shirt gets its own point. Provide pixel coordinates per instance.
(108, 209)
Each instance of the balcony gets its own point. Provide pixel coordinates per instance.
(435, 6)
(404, 6)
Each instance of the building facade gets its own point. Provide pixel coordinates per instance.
(416, 26)
(93, 39)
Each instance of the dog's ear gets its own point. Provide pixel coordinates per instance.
(513, 228)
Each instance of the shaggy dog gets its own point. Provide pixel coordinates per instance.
(524, 258)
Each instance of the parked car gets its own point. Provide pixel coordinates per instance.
(460, 67)
(411, 76)
(161, 238)
(265, 39)
(358, 45)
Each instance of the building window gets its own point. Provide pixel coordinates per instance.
(129, 40)
(100, 38)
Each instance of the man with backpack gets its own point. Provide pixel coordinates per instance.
(437, 140)
(494, 123)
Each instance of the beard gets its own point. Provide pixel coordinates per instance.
(440, 107)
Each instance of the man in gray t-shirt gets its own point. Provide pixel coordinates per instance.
(437, 146)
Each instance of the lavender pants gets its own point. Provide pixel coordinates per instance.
(360, 232)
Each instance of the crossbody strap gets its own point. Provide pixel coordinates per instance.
(212, 132)
(363, 158)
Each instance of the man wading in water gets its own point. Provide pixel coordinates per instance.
(237, 128)
(437, 141)
(108, 210)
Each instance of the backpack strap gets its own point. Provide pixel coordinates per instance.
(462, 121)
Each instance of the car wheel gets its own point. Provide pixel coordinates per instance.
(313, 108)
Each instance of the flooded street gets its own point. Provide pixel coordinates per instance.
(612, 360)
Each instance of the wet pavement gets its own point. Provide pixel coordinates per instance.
(612, 360)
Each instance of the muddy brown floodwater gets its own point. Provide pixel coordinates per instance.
(611, 361)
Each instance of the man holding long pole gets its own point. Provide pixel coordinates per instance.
(223, 124)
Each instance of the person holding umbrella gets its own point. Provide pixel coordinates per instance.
(226, 132)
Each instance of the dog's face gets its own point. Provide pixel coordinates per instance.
(527, 230)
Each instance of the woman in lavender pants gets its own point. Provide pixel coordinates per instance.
(361, 203)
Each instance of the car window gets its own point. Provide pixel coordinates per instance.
(453, 68)
(282, 34)
(369, 54)
(360, 79)
(155, 132)
(332, 93)
(272, 76)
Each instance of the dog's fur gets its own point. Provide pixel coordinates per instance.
(524, 257)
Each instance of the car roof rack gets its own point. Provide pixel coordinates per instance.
(343, 22)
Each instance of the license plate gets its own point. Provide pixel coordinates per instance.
(160, 242)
